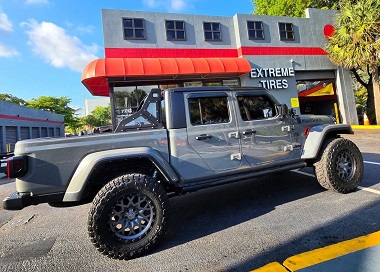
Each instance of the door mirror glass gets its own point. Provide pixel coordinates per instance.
(283, 110)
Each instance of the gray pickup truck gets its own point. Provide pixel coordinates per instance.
(179, 140)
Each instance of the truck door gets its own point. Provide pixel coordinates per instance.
(265, 136)
(212, 130)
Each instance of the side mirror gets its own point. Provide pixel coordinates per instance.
(293, 114)
(283, 109)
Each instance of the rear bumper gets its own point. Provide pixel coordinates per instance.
(17, 201)
(3, 165)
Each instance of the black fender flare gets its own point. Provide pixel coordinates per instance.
(81, 175)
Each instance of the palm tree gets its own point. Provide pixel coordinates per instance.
(355, 45)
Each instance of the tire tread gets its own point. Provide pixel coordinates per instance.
(131, 181)
(324, 166)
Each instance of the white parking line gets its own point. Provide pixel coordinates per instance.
(359, 187)
(370, 162)
(369, 190)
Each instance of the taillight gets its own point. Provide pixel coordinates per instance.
(306, 131)
(17, 166)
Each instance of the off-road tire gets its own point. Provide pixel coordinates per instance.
(339, 166)
(128, 216)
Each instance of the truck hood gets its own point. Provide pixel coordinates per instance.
(316, 119)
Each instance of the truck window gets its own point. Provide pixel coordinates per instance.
(208, 110)
(255, 107)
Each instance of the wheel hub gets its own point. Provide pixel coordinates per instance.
(131, 214)
(131, 217)
(345, 165)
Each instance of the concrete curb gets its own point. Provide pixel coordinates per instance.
(324, 254)
(365, 127)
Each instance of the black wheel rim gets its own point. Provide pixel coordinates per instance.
(131, 217)
(345, 165)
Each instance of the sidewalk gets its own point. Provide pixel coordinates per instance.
(359, 254)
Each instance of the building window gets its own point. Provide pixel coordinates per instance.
(175, 30)
(286, 31)
(212, 31)
(133, 28)
(255, 30)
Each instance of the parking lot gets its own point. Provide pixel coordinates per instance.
(236, 227)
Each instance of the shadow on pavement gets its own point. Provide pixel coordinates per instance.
(203, 213)
(329, 234)
(208, 211)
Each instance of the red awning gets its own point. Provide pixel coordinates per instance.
(99, 72)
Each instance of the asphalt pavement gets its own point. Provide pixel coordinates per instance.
(361, 254)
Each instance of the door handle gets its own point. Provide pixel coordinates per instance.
(203, 137)
(233, 135)
(249, 132)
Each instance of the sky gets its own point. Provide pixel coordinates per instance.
(45, 44)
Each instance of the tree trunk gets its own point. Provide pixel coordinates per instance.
(376, 90)
(370, 102)
(370, 105)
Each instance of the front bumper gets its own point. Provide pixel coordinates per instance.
(18, 201)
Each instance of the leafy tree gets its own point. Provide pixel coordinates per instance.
(103, 114)
(100, 116)
(355, 45)
(89, 121)
(12, 99)
(74, 125)
(291, 8)
(59, 105)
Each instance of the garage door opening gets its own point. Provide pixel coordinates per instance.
(318, 97)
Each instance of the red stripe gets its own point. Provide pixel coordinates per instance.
(282, 51)
(12, 117)
(212, 53)
(169, 53)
